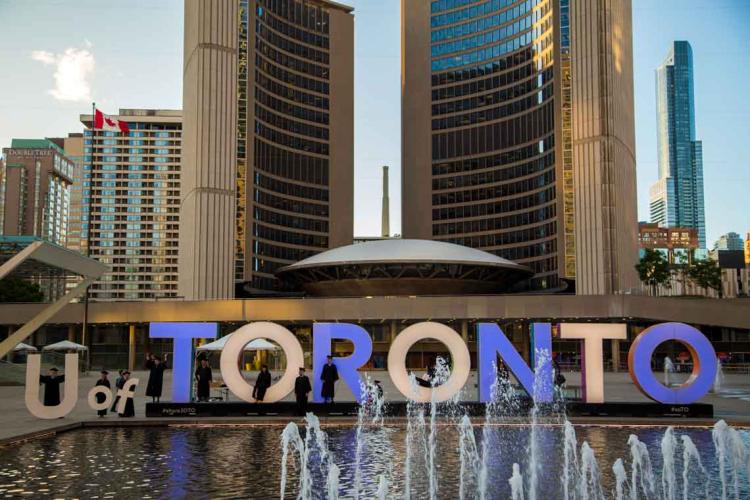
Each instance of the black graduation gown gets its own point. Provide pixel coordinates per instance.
(262, 383)
(129, 408)
(119, 384)
(155, 381)
(301, 389)
(101, 397)
(51, 389)
(329, 376)
(204, 377)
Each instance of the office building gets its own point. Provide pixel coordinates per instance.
(278, 185)
(72, 145)
(677, 243)
(131, 204)
(518, 135)
(676, 199)
(35, 190)
(730, 241)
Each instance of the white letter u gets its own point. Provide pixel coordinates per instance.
(35, 407)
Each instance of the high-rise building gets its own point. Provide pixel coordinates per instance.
(72, 145)
(278, 185)
(35, 190)
(677, 197)
(678, 244)
(747, 249)
(518, 135)
(130, 203)
(730, 241)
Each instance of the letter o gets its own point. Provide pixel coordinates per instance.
(700, 349)
(235, 346)
(457, 348)
(100, 389)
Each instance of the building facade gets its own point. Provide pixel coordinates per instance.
(35, 190)
(130, 204)
(677, 197)
(677, 243)
(518, 135)
(730, 241)
(285, 182)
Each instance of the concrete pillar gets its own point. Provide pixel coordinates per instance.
(394, 330)
(72, 333)
(465, 330)
(131, 347)
(615, 355)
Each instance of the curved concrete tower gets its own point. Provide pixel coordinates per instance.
(207, 225)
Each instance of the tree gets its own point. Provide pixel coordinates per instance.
(18, 290)
(653, 270)
(706, 274)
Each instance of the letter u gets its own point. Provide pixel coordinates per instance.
(35, 407)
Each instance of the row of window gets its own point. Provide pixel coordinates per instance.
(267, 266)
(290, 221)
(483, 39)
(290, 238)
(493, 192)
(291, 62)
(264, 283)
(479, 86)
(496, 136)
(290, 165)
(502, 166)
(289, 205)
(501, 239)
(264, 249)
(284, 123)
(483, 54)
(290, 189)
(292, 31)
(293, 79)
(290, 109)
(482, 24)
(497, 66)
(291, 93)
(480, 10)
(547, 248)
(497, 112)
(531, 201)
(307, 15)
(290, 141)
(287, 45)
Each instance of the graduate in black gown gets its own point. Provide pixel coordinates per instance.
(203, 378)
(129, 404)
(155, 379)
(262, 383)
(329, 376)
(51, 383)
(302, 388)
(103, 381)
(119, 383)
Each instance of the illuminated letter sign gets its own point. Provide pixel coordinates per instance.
(347, 367)
(36, 408)
(461, 361)
(492, 341)
(182, 359)
(592, 368)
(700, 349)
(230, 357)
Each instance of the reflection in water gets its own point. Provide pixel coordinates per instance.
(244, 461)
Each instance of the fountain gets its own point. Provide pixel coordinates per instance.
(668, 369)
(668, 453)
(621, 479)
(718, 378)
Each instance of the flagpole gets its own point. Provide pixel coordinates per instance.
(84, 332)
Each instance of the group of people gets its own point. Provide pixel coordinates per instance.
(53, 379)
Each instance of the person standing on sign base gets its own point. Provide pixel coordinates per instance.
(51, 383)
(302, 388)
(155, 379)
(204, 377)
(262, 383)
(129, 405)
(329, 376)
(103, 381)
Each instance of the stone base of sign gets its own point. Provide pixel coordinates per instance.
(398, 409)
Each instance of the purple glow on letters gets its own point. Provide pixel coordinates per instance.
(347, 367)
(492, 341)
(701, 350)
(182, 358)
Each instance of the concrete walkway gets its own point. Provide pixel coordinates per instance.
(16, 423)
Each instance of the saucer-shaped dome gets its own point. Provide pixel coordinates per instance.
(403, 267)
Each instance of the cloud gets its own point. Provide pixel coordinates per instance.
(73, 71)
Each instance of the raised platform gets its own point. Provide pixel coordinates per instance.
(398, 409)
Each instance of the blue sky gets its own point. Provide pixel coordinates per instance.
(56, 56)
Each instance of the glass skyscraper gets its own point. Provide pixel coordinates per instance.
(677, 197)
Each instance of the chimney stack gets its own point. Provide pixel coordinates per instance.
(386, 221)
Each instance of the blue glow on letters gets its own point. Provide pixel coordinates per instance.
(182, 358)
(347, 367)
(492, 341)
(701, 350)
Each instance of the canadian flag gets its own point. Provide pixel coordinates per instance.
(106, 122)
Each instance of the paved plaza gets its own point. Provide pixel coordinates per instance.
(732, 404)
